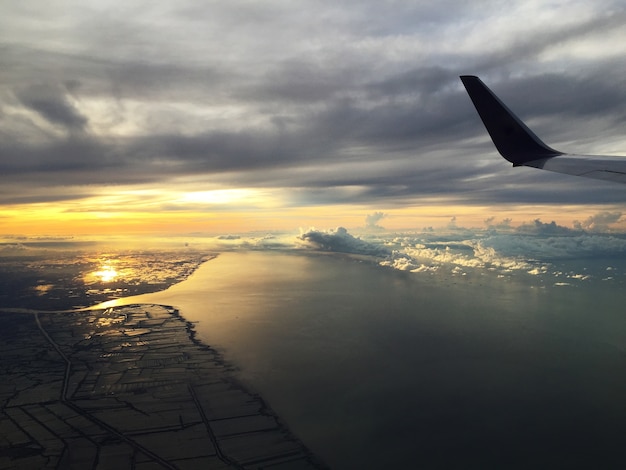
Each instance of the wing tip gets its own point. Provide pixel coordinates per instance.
(512, 138)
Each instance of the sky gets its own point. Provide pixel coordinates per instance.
(339, 126)
(228, 117)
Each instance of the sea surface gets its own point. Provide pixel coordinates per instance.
(377, 368)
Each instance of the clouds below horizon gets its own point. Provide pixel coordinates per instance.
(340, 241)
(555, 254)
(314, 99)
(550, 255)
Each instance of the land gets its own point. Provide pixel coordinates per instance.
(129, 387)
(70, 279)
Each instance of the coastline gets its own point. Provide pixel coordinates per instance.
(66, 280)
(362, 361)
(130, 385)
(332, 360)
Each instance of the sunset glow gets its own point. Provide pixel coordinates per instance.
(241, 211)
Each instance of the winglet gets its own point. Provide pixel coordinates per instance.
(513, 139)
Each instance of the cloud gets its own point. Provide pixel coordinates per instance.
(371, 220)
(404, 262)
(339, 240)
(504, 224)
(14, 249)
(477, 256)
(229, 237)
(537, 227)
(53, 104)
(312, 99)
(547, 251)
(599, 222)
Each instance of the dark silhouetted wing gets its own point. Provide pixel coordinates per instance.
(519, 145)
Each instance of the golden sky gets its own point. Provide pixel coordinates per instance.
(250, 210)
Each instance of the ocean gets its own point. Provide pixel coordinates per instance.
(378, 368)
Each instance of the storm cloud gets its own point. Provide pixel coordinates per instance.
(311, 98)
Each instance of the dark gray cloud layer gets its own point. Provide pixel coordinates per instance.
(53, 105)
(313, 97)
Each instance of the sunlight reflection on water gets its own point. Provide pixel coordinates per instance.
(105, 274)
(375, 367)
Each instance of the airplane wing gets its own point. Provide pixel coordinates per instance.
(519, 145)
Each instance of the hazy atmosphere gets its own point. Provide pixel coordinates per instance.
(309, 250)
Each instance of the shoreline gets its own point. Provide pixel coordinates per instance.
(138, 387)
(68, 281)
